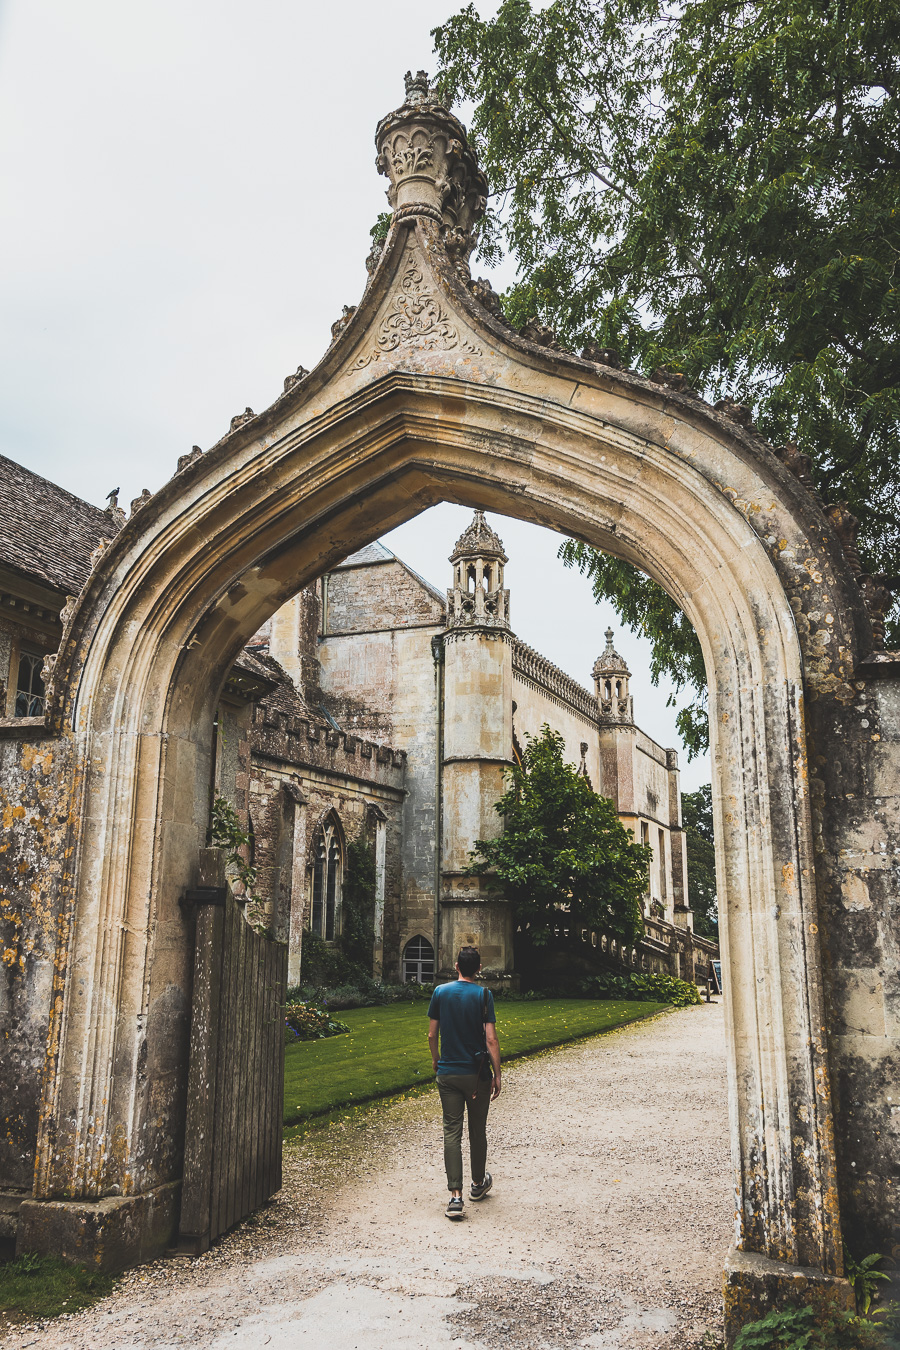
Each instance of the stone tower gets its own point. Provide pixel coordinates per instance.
(477, 745)
(611, 676)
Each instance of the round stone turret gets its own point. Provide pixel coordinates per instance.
(423, 150)
(477, 598)
(611, 676)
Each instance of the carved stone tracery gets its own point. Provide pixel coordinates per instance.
(417, 320)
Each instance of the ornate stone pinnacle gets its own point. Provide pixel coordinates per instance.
(422, 149)
(478, 540)
(609, 662)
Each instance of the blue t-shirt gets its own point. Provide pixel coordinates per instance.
(459, 1007)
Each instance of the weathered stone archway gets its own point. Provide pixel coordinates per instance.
(425, 395)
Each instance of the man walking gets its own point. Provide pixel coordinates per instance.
(462, 1013)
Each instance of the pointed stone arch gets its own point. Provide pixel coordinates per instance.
(426, 395)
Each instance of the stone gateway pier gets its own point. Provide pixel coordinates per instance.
(425, 395)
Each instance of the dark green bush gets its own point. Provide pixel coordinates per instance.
(361, 992)
(802, 1329)
(649, 988)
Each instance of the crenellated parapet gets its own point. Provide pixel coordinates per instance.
(530, 665)
(306, 742)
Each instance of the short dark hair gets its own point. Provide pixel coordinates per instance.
(469, 960)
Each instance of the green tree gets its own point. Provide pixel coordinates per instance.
(710, 188)
(563, 850)
(697, 819)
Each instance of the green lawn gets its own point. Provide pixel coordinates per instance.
(387, 1048)
(44, 1286)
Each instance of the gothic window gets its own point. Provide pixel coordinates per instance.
(328, 868)
(418, 962)
(471, 580)
(29, 686)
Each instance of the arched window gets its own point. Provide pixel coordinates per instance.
(328, 868)
(418, 961)
(471, 580)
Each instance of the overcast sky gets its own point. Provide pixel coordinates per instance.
(187, 192)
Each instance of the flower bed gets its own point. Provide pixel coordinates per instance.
(307, 1022)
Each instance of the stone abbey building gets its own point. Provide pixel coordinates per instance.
(374, 706)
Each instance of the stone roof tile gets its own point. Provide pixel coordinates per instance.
(46, 532)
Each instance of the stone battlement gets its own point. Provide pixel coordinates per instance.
(303, 740)
(532, 666)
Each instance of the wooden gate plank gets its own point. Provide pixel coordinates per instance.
(277, 1114)
(236, 1089)
(197, 1186)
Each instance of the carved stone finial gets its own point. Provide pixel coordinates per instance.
(138, 502)
(602, 356)
(340, 324)
(846, 527)
(482, 291)
(241, 419)
(373, 257)
(185, 460)
(674, 379)
(418, 89)
(423, 150)
(535, 331)
(737, 412)
(878, 597)
(478, 540)
(98, 552)
(799, 464)
(68, 609)
(299, 374)
(47, 672)
(114, 510)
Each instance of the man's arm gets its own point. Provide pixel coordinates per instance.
(433, 1026)
(493, 1049)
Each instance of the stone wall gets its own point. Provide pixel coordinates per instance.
(856, 805)
(301, 770)
(537, 704)
(380, 677)
(37, 822)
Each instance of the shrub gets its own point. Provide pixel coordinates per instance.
(649, 988)
(308, 1022)
(803, 1329)
(363, 992)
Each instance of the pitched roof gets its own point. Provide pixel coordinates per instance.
(366, 556)
(45, 532)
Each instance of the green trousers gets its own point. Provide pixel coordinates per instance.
(456, 1099)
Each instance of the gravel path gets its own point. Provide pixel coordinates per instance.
(607, 1227)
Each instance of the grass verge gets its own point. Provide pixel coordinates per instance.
(387, 1050)
(32, 1287)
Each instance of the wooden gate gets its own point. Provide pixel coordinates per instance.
(235, 1099)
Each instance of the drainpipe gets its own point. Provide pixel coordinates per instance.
(437, 652)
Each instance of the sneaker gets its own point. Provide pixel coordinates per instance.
(454, 1208)
(479, 1192)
